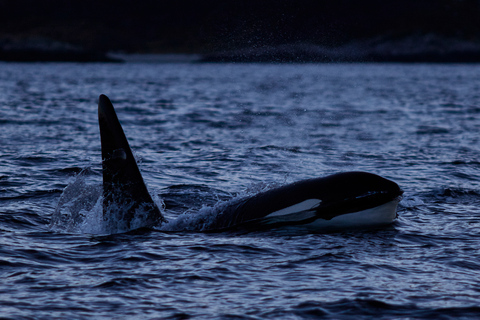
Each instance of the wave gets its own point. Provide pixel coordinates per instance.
(378, 309)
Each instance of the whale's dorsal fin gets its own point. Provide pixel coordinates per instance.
(124, 191)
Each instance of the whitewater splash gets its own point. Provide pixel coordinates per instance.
(80, 210)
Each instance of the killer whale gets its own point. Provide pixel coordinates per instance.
(342, 200)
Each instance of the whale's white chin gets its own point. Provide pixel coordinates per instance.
(372, 217)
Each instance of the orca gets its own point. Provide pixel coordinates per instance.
(338, 201)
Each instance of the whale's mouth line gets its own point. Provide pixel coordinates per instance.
(380, 192)
(358, 203)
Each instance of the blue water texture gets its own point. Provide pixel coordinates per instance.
(204, 134)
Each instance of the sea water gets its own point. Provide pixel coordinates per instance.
(204, 134)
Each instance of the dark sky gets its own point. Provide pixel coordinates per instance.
(202, 26)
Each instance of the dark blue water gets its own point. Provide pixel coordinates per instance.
(204, 134)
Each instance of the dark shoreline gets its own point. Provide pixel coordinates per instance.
(39, 49)
(233, 30)
(412, 48)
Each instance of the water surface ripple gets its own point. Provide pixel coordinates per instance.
(205, 133)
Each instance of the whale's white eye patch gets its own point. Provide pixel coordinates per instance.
(119, 154)
(299, 207)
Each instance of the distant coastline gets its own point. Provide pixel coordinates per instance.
(242, 31)
(411, 48)
(39, 49)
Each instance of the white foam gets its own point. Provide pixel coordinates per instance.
(80, 210)
(200, 220)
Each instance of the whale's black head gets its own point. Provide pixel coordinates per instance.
(349, 192)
